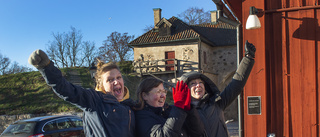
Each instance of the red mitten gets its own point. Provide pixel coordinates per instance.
(187, 103)
(180, 95)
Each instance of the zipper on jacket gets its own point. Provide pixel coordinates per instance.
(129, 119)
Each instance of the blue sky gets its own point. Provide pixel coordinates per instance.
(27, 25)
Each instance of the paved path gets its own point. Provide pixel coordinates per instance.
(233, 129)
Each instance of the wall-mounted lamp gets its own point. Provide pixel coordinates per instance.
(253, 20)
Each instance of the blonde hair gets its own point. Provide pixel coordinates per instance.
(102, 68)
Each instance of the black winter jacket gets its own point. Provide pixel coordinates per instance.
(168, 121)
(103, 116)
(213, 103)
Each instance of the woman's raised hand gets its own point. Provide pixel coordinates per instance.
(181, 96)
(39, 59)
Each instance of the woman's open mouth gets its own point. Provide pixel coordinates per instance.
(117, 91)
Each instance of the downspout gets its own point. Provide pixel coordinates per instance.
(199, 55)
(239, 55)
(237, 24)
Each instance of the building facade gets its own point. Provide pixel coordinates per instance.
(173, 48)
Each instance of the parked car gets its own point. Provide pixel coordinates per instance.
(46, 126)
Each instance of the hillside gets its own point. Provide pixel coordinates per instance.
(27, 93)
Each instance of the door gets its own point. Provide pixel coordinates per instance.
(170, 63)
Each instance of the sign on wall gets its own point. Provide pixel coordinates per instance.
(254, 105)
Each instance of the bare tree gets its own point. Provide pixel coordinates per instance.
(116, 48)
(7, 68)
(74, 40)
(4, 64)
(89, 53)
(195, 15)
(56, 49)
(106, 54)
(148, 28)
(68, 49)
(16, 68)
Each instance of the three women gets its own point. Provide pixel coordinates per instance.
(108, 113)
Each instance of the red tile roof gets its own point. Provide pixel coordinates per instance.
(218, 34)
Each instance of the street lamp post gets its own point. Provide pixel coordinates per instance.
(93, 70)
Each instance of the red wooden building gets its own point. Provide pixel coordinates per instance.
(285, 75)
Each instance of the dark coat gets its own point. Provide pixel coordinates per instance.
(214, 102)
(103, 116)
(168, 121)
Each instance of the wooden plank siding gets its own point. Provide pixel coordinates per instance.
(299, 112)
(317, 38)
(295, 3)
(302, 74)
(286, 72)
(255, 125)
(274, 74)
(286, 75)
(293, 79)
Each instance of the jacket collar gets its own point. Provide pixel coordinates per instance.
(126, 94)
(158, 110)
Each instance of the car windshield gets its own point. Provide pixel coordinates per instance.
(19, 128)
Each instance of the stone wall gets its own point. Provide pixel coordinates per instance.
(5, 120)
(218, 63)
(184, 52)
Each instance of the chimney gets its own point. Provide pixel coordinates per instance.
(157, 16)
(213, 16)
